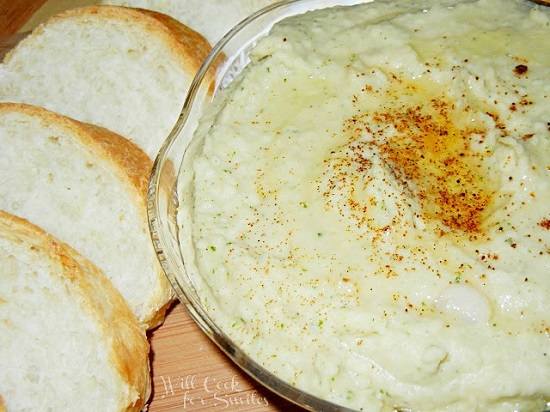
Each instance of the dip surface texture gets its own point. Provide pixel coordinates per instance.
(372, 205)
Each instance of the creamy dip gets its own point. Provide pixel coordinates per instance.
(371, 208)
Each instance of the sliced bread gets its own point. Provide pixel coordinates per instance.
(124, 69)
(87, 186)
(68, 340)
(213, 19)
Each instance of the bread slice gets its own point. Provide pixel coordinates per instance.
(213, 19)
(68, 340)
(87, 187)
(124, 69)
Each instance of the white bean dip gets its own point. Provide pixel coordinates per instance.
(372, 205)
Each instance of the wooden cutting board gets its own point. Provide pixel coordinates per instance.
(189, 372)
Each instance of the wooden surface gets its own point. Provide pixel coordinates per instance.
(14, 14)
(189, 372)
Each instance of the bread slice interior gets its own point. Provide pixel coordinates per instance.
(87, 186)
(68, 340)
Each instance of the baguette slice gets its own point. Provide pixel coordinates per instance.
(68, 340)
(87, 187)
(213, 19)
(124, 69)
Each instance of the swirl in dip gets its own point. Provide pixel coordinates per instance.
(371, 210)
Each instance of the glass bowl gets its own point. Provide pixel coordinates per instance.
(170, 194)
(172, 174)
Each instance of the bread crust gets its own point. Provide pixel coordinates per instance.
(120, 332)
